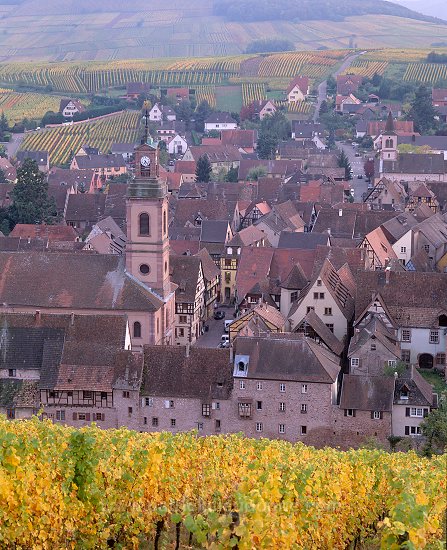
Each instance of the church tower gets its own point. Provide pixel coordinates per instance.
(389, 141)
(147, 248)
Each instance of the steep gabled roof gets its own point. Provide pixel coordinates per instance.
(367, 393)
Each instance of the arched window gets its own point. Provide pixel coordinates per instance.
(389, 143)
(164, 223)
(137, 329)
(442, 320)
(144, 224)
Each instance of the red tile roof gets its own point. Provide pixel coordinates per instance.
(42, 231)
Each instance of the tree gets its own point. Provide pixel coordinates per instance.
(343, 162)
(331, 141)
(2, 177)
(184, 112)
(434, 428)
(203, 169)
(31, 203)
(323, 108)
(4, 126)
(3, 153)
(267, 146)
(232, 175)
(368, 168)
(422, 111)
(248, 112)
(331, 85)
(163, 153)
(203, 111)
(257, 172)
(276, 125)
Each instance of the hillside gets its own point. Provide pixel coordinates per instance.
(60, 30)
(93, 488)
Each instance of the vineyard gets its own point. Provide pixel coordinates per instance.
(18, 106)
(62, 142)
(302, 107)
(91, 488)
(206, 93)
(426, 72)
(252, 92)
(367, 68)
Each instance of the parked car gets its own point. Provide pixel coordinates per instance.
(224, 341)
(171, 163)
(357, 154)
(219, 315)
(227, 324)
(352, 192)
(360, 177)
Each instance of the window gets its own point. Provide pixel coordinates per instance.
(417, 412)
(137, 329)
(245, 410)
(427, 248)
(98, 417)
(294, 296)
(217, 426)
(282, 388)
(144, 224)
(145, 269)
(282, 407)
(391, 363)
(171, 404)
(349, 412)
(373, 347)
(200, 426)
(145, 420)
(355, 361)
(303, 388)
(405, 355)
(206, 409)
(82, 416)
(328, 311)
(259, 385)
(183, 319)
(413, 430)
(309, 308)
(172, 422)
(164, 222)
(259, 426)
(126, 394)
(180, 332)
(259, 405)
(330, 326)
(87, 395)
(154, 421)
(129, 411)
(303, 408)
(103, 395)
(406, 335)
(403, 249)
(60, 415)
(319, 282)
(216, 405)
(376, 415)
(316, 294)
(12, 373)
(303, 430)
(440, 359)
(434, 337)
(282, 428)
(148, 401)
(242, 384)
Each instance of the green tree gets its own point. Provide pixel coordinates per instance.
(434, 428)
(422, 111)
(203, 111)
(203, 169)
(232, 175)
(163, 153)
(31, 203)
(331, 85)
(276, 125)
(343, 162)
(2, 177)
(257, 172)
(184, 111)
(267, 146)
(331, 141)
(3, 153)
(323, 108)
(4, 126)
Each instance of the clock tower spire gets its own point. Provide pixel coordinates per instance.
(147, 249)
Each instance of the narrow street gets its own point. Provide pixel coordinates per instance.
(216, 328)
(359, 185)
(12, 146)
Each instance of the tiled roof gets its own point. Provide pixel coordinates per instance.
(220, 117)
(322, 331)
(214, 231)
(286, 358)
(254, 266)
(204, 374)
(367, 393)
(42, 231)
(187, 210)
(85, 207)
(78, 281)
(86, 162)
(185, 273)
(420, 392)
(239, 138)
(41, 157)
(304, 241)
(209, 268)
(296, 279)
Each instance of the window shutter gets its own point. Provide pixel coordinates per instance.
(346, 412)
(372, 414)
(425, 413)
(103, 416)
(353, 412)
(407, 430)
(75, 416)
(381, 415)
(407, 411)
(87, 417)
(213, 406)
(166, 404)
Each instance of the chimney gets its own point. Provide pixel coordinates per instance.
(329, 231)
(387, 275)
(72, 318)
(187, 349)
(340, 212)
(37, 315)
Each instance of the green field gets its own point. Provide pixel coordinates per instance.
(229, 98)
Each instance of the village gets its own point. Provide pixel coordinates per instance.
(279, 276)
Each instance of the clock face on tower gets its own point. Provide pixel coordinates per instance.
(145, 161)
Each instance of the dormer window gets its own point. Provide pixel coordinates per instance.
(404, 393)
(241, 366)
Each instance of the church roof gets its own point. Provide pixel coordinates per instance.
(389, 126)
